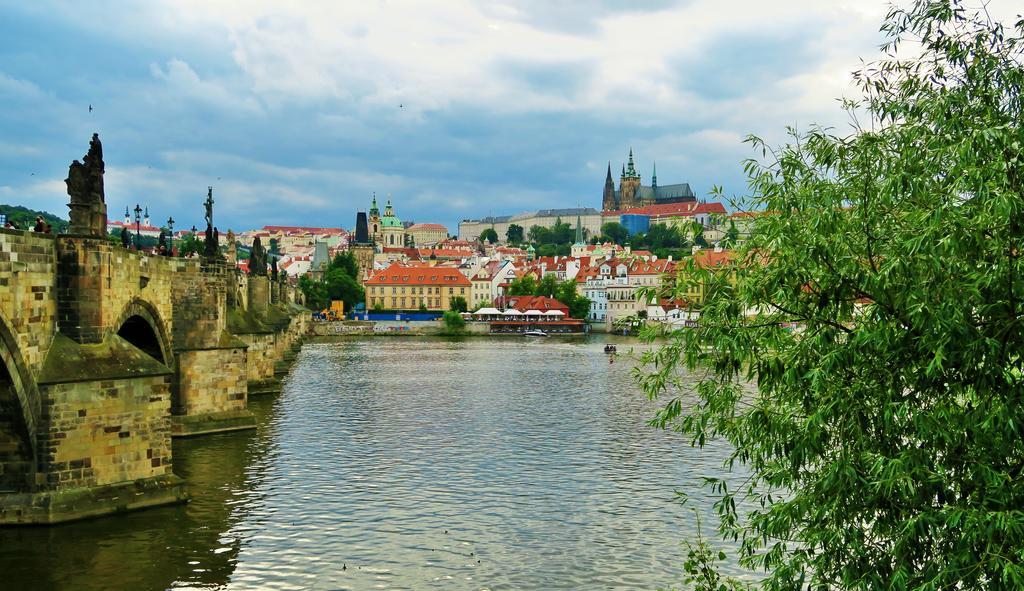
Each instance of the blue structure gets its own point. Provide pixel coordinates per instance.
(399, 316)
(635, 223)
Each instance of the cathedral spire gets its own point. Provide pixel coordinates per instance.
(608, 178)
(654, 177)
(630, 168)
(579, 229)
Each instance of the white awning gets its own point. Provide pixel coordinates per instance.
(487, 312)
(534, 313)
(513, 312)
(555, 313)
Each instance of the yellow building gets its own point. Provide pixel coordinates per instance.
(706, 259)
(424, 234)
(401, 287)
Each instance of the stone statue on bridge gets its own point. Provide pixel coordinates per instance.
(211, 247)
(126, 238)
(273, 269)
(258, 259)
(85, 187)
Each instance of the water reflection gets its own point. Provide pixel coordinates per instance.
(408, 464)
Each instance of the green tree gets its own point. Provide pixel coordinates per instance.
(273, 249)
(615, 232)
(342, 286)
(347, 262)
(579, 306)
(458, 304)
(525, 285)
(190, 244)
(489, 235)
(547, 286)
(698, 237)
(665, 236)
(453, 321)
(881, 438)
(514, 234)
(539, 235)
(315, 293)
(732, 235)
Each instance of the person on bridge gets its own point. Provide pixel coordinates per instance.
(40, 224)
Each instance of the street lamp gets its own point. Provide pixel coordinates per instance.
(138, 228)
(170, 239)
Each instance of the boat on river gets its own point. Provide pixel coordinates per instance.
(535, 333)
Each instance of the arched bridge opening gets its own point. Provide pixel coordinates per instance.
(140, 333)
(15, 452)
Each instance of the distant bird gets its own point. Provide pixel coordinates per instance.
(90, 108)
(400, 106)
(33, 174)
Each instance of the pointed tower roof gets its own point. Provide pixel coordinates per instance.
(608, 178)
(579, 230)
(630, 168)
(374, 211)
(654, 176)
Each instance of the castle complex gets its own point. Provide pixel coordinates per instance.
(631, 193)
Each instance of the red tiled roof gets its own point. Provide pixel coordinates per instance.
(426, 227)
(305, 229)
(398, 274)
(444, 252)
(524, 303)
(689, 208)
(711, 258)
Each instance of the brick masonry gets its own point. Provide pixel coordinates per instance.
(111, 435)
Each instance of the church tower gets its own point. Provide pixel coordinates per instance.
(374, 220)
(608, 201)
(629, 186)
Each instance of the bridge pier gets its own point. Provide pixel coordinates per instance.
(104, 442)
(211, 393)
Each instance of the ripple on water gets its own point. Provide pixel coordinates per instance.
(409, 464)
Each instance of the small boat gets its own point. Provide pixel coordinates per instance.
(535, 333)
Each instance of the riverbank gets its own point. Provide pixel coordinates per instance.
(392, 328)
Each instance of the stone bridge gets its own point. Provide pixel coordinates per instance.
(106, 353)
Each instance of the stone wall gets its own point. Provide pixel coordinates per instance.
(98, 281)
(28, 302)
(211, 381)
(105, 432)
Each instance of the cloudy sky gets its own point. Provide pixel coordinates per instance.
(297, 111)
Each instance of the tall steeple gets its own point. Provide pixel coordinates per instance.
(579, 229)
(608, 197)
(374, 211)
(654, 177)
(630, 168)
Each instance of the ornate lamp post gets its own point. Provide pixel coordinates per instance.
(170, 239)
(138, 227)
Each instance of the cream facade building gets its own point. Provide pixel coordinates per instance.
(589, 218)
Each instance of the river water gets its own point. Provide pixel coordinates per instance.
(407, 463)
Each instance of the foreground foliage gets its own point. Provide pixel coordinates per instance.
(863, 356)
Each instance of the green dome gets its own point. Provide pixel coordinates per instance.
(390, 221)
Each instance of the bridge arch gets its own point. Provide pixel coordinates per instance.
(19, 414)
(141, 325)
